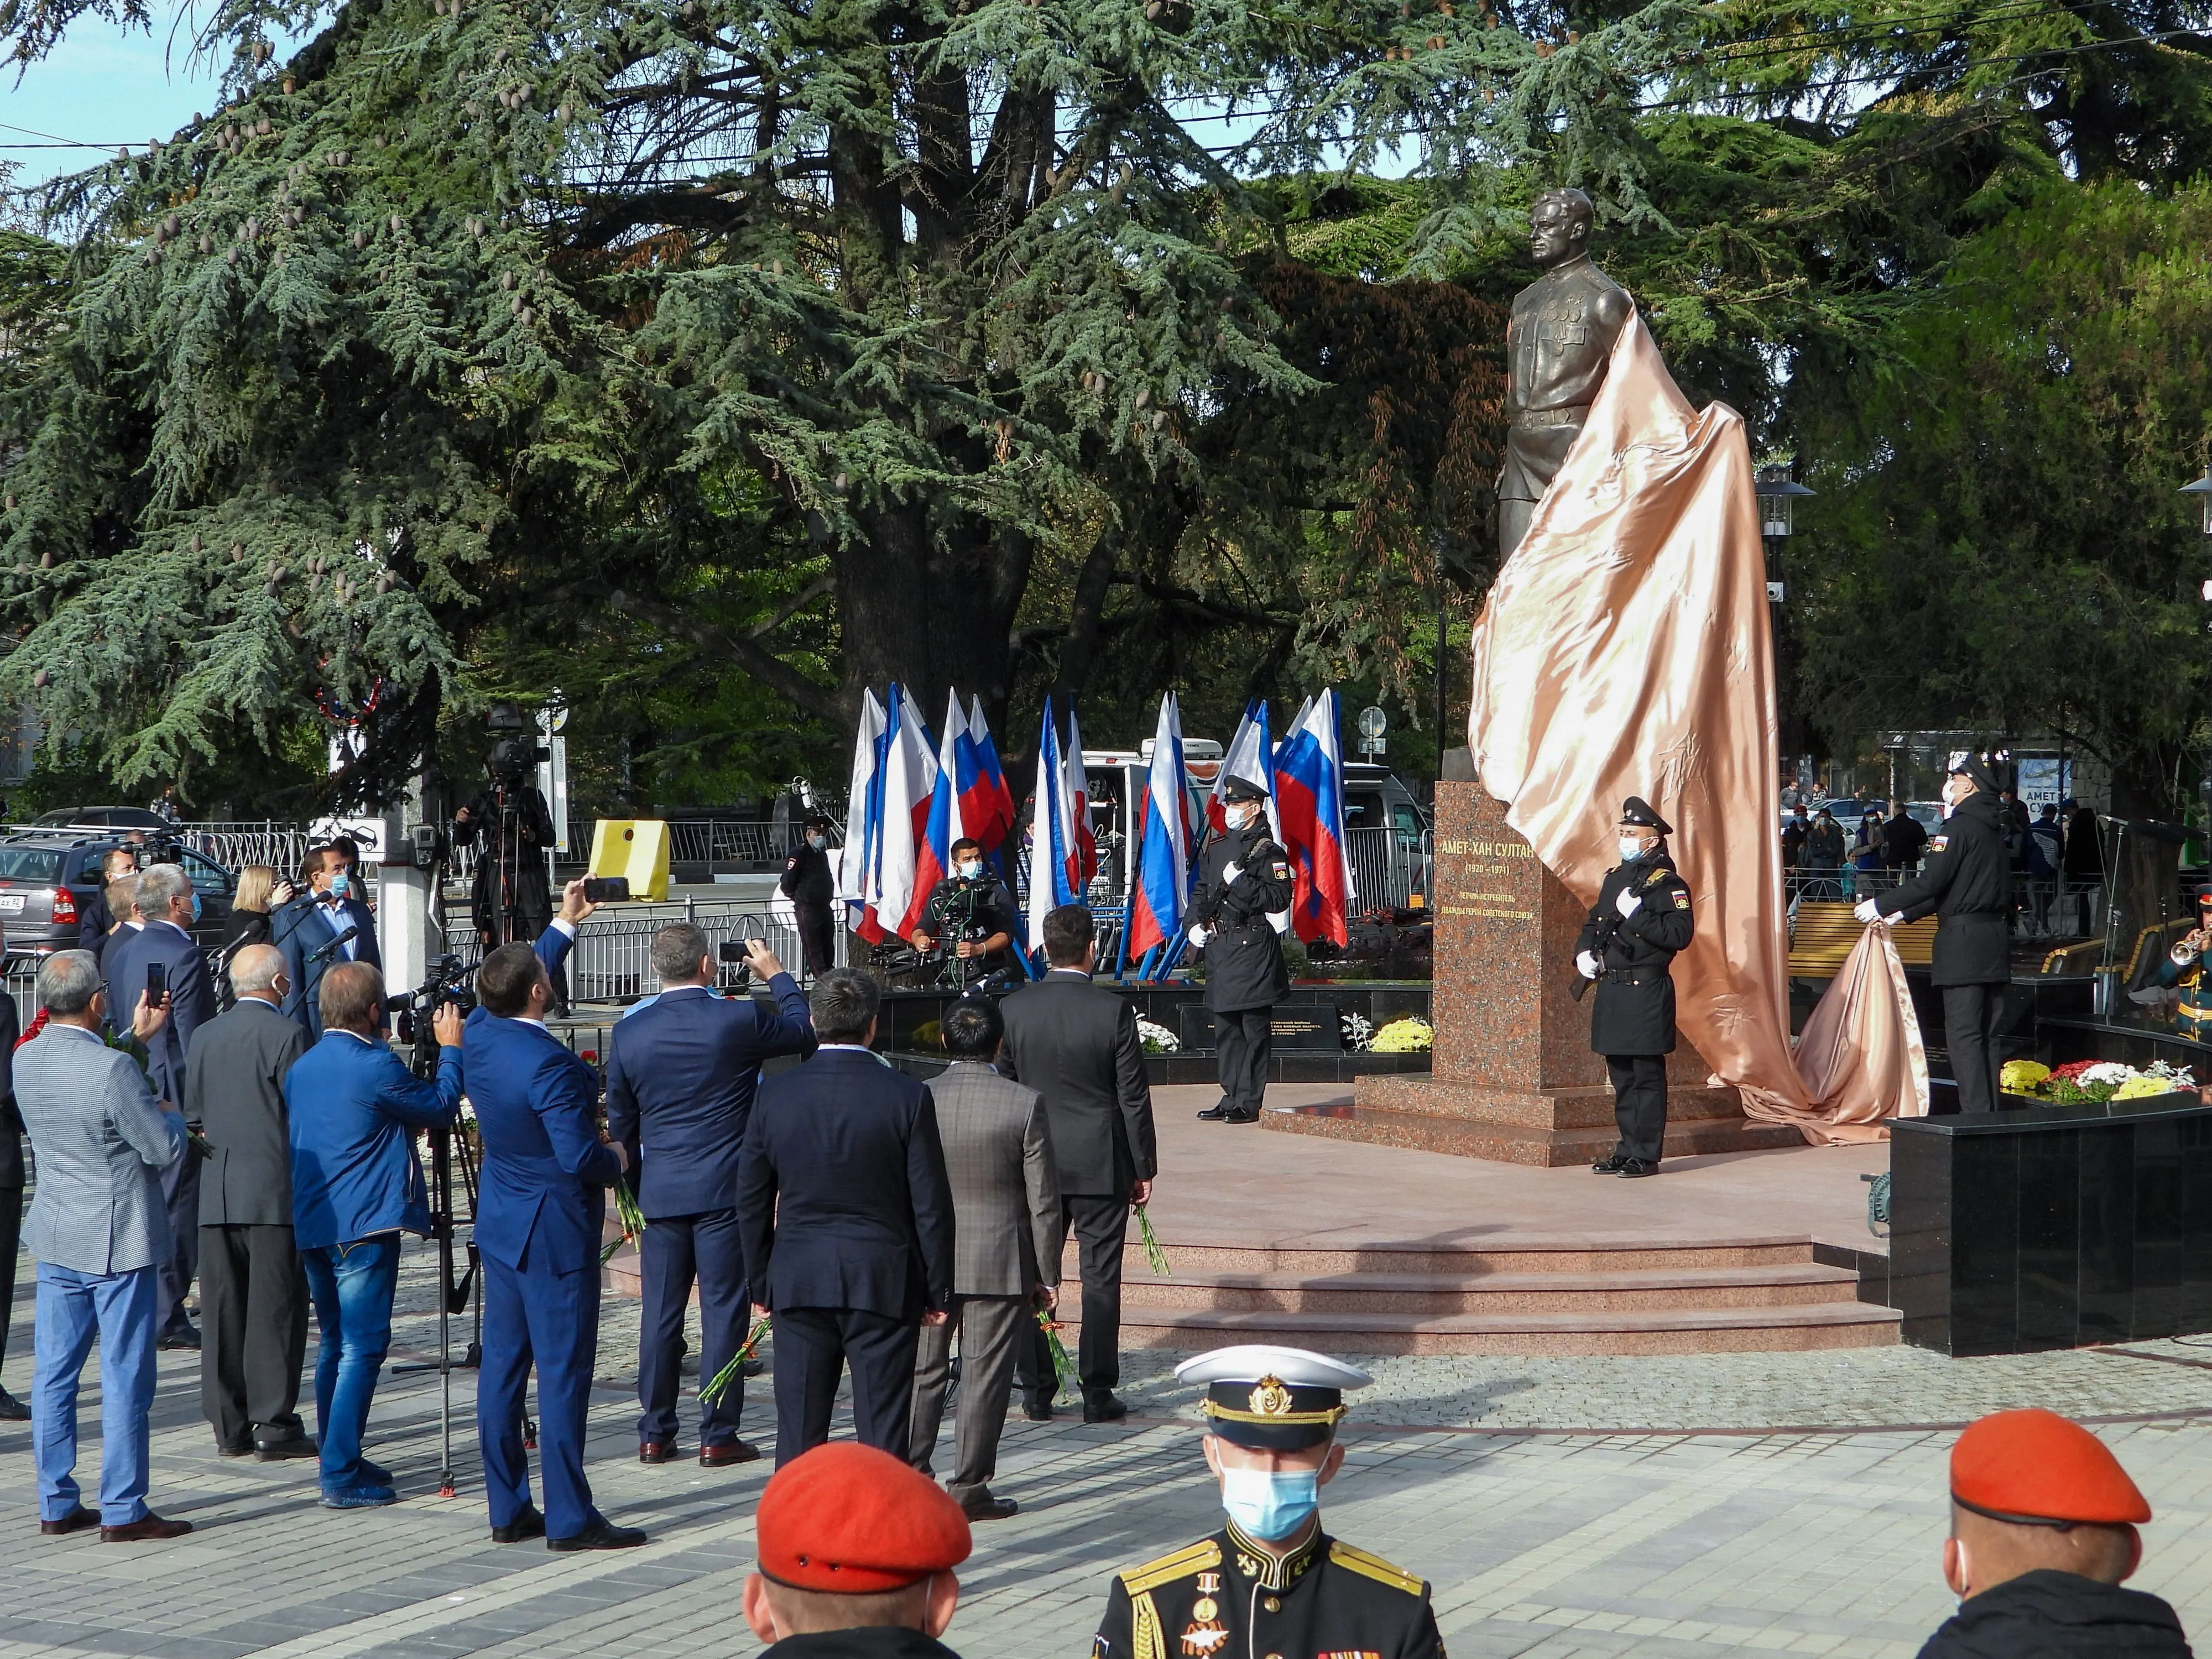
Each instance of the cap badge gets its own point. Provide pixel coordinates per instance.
(1271, 1398)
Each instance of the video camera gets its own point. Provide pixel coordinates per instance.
(513, 755)
(447, 982)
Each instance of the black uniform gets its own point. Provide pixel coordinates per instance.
(807, 884)
(1225, 1598)
(2047, 1614)
(518, 848)
(863, 1642)
(1967, 883)
(973, 910)
(1245, 977)
(1632, 1023)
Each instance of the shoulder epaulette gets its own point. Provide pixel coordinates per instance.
(1657, 876)
(1201, 1557)
(1375, 1567)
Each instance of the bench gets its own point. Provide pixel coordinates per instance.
(1823, 933)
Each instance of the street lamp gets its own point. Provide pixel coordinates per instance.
(2202, 490)
(1777, 493)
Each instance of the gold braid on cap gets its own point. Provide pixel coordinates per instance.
(1271, 1405)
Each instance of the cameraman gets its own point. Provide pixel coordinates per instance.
(974, 912)
(512, 897)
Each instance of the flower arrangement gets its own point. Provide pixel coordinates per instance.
(1409, 1035)
(1156, 1039)
(2084, 1081)
(1358, 1030)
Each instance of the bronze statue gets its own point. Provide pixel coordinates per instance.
(1556, 346)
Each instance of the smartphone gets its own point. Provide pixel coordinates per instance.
(731, 950)
(605, 890)
(157, 983)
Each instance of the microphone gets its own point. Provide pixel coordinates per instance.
(324, 952)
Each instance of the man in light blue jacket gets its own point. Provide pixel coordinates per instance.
(353, 1107)
(99, 1229)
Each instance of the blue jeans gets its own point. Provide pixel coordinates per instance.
(71, 1307)
(352, 1285)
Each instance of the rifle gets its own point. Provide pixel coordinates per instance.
(1608, 924)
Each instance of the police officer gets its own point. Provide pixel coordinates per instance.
(973, 911)
(1641, 918)
(806, 883)
(1967, 883)
(1244, 878)
(2183, 968)
(1270, 1581)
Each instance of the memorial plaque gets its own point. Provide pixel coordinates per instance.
(1307, 1026)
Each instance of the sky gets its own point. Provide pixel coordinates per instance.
(100, 90)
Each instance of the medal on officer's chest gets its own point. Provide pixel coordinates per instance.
(1205, 1633)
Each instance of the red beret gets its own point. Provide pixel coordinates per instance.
(848, 1518)
(2035, 1465)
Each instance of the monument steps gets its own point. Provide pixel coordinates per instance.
(1535, 1144)
(1509, 1296)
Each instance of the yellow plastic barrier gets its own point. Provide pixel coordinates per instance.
(635, 848)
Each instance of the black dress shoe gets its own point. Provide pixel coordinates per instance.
(527, 1524)
(721, 1457)
(1239, 1117)
(234, 1447)
(181, 1335)
(1609, 1164)
(75, 1521)
(987, 1507)
(1104, 1408)
(13, 1410)
(1037, 1410)
(753, 1368)
(1634, 1168)
(599, 1535)
(1217, 1113)
(292, 1445)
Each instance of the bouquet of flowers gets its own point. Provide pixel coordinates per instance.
(720, 1383)
(1156, 1039)
(1155, 1257)
(1409, 1035)
(1063, 1366)
(632, 1220)
(2085, 1081)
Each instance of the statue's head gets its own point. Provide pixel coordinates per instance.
(1560, 227)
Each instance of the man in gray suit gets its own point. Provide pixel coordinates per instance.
(1006, 1244)
(98, 1229)
(1075, 1043)
(254, 1294)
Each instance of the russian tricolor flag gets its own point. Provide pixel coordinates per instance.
(863, 811)
(908, 778)
(1310, 802)
(1052, 847)
(1162, 889)
(995, 820)
(1083, 844)
(946, 822)
(1250, 756)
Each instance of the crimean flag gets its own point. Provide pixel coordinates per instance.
(864, 809)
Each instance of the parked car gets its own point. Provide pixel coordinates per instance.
(47, 876)
(117, 817)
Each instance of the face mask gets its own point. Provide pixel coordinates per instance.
(339, 884)
(196, 907)
(1630, 849)
(1270, 1504)
(968, 869)
(817, 843)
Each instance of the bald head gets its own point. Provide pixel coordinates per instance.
(255, 970)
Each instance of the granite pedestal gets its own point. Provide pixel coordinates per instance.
(1513, 1077)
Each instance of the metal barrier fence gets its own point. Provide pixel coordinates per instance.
(1388, 866)
(611, 961)
(234, 846)
(2052, 908)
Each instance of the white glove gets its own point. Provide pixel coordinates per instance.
(1866, 911)
(1198, 935)
(1586, 964)
(1230, 872)
(1628, 904)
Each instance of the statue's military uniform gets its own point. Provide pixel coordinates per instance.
(959, 909)
(1225, 1597)
(1557, 344)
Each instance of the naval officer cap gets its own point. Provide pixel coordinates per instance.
(1272, 1399)
(1636, 814)
(1973, 765)
(1242, 789)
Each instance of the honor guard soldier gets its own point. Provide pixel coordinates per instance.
(1272, 1581)
(1641, 919)
(1967, 883)
(2182, 970)
(972, 912)
(1243, 879)
(812, 891)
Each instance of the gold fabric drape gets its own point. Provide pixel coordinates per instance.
(1860, 1052)
(1625, 650)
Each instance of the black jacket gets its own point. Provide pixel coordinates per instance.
(1076, 1044)
(1244, 964)
(246, 927)
(1967, 884)
(870, 1642)
(806, 878)
(11, 1120)
(1902, 841)
(1224, 1598)
(973, 910)
(2058, 1615)
(526, 887)
(1635, 1006)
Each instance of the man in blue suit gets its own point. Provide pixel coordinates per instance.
(167, 907)
(352, 1108)
(311, 930)
(847, 1219)
(541, 1203)
(681, 1073)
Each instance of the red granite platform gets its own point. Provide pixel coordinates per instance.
(1378, 1250)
